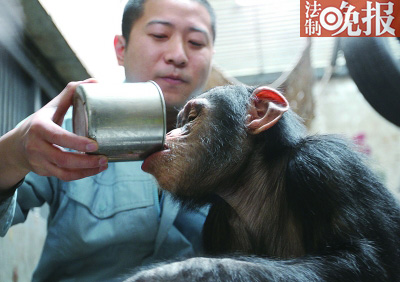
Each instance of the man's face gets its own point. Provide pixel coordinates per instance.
(171, 44)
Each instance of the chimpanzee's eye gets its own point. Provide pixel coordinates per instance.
(191, 111)
(192, 114)
(191, 118)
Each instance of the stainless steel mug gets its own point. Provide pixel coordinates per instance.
(127, 120)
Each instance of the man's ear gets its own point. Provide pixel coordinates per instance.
(267, 107)
(119, 46)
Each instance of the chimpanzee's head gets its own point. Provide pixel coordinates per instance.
(213, 138)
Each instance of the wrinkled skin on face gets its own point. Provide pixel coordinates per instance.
(202, 130)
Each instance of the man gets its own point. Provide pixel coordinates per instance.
(102, 226)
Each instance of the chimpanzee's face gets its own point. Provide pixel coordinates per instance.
(179, 163)
(212, 141)
(208, 146)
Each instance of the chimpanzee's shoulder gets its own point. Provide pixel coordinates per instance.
(328, 170)
(327, 147)
(326, 156)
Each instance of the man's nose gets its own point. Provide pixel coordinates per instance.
(176, 52)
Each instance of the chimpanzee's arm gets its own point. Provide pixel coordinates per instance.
(342, 266)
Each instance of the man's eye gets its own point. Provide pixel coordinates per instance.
(196, 43)
(158, 36)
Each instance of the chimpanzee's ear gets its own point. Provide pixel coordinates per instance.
(267, 107)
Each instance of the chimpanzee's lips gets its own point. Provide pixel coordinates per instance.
(153, 157)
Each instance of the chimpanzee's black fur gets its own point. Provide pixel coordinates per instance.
(346, 222)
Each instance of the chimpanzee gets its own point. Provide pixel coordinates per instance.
(285, 206)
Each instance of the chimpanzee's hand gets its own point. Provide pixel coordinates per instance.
(36, 146)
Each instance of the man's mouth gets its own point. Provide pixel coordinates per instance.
(173, 79)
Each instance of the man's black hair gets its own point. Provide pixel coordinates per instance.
(134, 10)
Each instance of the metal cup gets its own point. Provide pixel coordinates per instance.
(127, 120)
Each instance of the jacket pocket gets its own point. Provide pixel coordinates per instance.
(122, 187)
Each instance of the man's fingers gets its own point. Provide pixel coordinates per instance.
(49, 160)
(70, 174)
(64, 100)
(73, 160)
(90, 80)
(61, 137)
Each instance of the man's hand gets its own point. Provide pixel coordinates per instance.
(37, 144)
